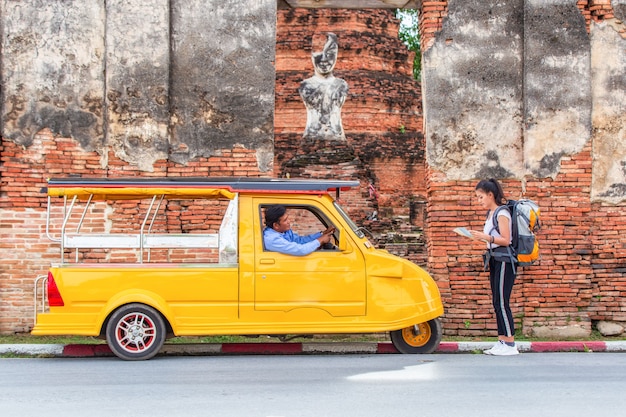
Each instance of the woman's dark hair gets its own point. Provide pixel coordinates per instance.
(273, 214)
(492, 186)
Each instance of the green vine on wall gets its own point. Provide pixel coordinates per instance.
(410, 35)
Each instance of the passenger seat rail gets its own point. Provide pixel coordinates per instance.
(142, 241)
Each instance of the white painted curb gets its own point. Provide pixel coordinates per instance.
(32, 349)
(616, 346)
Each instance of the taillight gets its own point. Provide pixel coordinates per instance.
(54, 296)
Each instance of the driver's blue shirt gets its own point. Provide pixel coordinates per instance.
(289, 242)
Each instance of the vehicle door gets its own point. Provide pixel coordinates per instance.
(328, 280)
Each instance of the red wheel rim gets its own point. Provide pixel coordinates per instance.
(135, 332)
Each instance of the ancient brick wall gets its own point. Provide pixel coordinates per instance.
(139, 77)
(26, 252)
(385, 132)
(580, 278)
(382, 115)
(123, 88)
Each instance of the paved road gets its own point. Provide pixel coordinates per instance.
(550, 384)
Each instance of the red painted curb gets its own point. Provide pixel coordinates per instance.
(386, 348)
(448, 347)
(567, 346)
(262, 348)
(79, 351)
(103, 350)
(82, 351)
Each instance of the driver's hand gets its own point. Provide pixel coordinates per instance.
(325, 238)
(329, 231)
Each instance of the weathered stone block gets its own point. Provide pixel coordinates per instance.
(137, 80)
(557, 87)
(52, 70)
(609, 328)
(608, 60)
(473, 91)
(222, 71)
(619, 7)
(560, 332)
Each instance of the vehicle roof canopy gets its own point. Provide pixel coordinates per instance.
(187, 187)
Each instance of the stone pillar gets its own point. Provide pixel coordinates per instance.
(137, 80)
(223, 78)
(557, 87)
(52, 70)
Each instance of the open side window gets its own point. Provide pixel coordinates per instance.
(305, 220)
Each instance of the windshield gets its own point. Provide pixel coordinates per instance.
(348, 220)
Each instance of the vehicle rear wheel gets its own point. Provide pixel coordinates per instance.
(135, 332)
(421, 338)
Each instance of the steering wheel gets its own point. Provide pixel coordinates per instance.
(333, 244)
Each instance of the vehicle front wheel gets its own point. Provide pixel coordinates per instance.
(135, 332)
(421, 338)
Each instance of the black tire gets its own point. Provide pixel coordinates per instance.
(135, 332)
(421, 338)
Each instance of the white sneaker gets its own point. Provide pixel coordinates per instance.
(506, 350)
(495, 348)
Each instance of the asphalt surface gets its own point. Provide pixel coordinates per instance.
(319, 348)
(437, 385)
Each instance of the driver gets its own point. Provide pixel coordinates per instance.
(278, 236)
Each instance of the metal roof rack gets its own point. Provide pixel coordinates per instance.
(240, 184)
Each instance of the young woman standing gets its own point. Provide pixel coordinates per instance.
(501, 269)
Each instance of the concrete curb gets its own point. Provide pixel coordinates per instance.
(208, 349)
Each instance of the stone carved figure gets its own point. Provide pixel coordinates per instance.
(324, 95)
